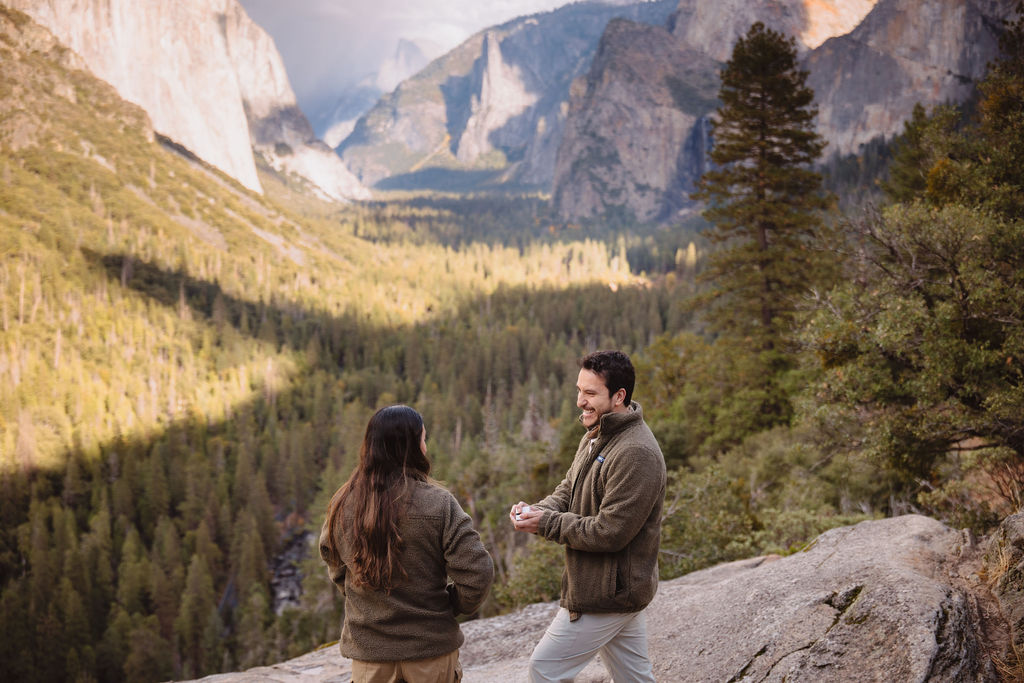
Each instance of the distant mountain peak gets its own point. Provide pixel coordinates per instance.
(408, 58)
(869, 63)
(501, 94)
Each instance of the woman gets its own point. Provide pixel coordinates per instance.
(405, 556)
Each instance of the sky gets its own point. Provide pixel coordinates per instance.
(328, 45)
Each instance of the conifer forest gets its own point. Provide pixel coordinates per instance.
(187, 368)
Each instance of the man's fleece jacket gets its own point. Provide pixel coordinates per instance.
(416, 619)
(607, 512)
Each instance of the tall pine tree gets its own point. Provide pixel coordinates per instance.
(765, 203)
(763, 198)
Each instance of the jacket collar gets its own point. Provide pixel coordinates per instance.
(613, 423)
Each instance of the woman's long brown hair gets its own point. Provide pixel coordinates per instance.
(369, 507)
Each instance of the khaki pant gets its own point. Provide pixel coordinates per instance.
(443, 669)
(567, 646)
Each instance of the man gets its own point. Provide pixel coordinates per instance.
(607, 513)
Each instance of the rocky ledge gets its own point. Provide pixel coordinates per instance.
(900, 599)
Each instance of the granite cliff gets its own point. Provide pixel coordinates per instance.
(493, 108)
(713, 27)
(899, 599)
(867, 82)
(609, 106)
(636, 133)
(869, 64)
(647, 97)
(498, 108)
(210, 79)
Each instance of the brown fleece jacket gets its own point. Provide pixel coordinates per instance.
(608, 515)
(448, 572)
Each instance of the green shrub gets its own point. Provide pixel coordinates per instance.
(534, 576)
(773, 493)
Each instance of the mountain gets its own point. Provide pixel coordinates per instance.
(630, 135)
(635, 121)
(867, 68)
(867, 82)
(898, 599)
(337, 121)
(713, 27)
(637, 135)
(209, 78)
(407, 59)
(493, 108)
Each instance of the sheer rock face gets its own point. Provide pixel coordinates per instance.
(209, 78)
(502, 92)
(496, 102)
(866, 83)
(665, 84)
(714, 27)
(869, 64)
(890, 600)
(636, 134)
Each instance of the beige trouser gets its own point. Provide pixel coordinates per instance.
(567, 646)
(443, 669)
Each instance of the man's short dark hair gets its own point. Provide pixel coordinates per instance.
(615, 368)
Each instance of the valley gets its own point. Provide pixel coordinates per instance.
(189, 354)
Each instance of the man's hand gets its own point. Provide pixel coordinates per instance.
(525, 518)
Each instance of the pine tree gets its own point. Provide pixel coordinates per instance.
(765, 204)
(927, 138)
(764, 200)
(149, 655)
(253, 618)
(921, 344)
(999, 184)
(198, 606)
(133, 575)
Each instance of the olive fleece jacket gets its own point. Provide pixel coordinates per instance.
(608, 515)
(448, 572)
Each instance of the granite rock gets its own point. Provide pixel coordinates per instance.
(210, 79)
(897, 599)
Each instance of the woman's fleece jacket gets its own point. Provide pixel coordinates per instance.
(607, 513)
(447, 572)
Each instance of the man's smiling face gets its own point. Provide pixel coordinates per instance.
(593, 399)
